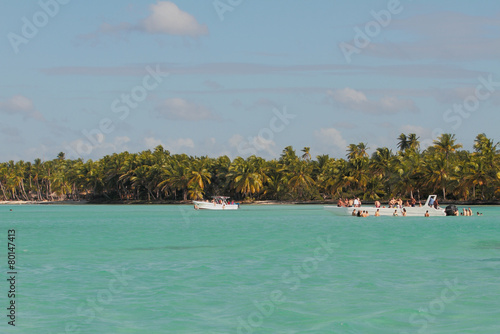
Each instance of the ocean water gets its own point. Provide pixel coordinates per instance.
(261, 269)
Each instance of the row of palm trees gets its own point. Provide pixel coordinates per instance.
(158, 176)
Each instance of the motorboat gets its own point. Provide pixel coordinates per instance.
(217, 203)
(411, 211)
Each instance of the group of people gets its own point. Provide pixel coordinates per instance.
(403, 213)
(398, 203)
(467, 212)
(433, 203)
(363, 213)
(393, 203)
(355, 202)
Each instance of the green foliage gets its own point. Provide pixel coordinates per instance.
(158, 175)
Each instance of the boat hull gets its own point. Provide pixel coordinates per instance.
(213, 206)
(410, 211)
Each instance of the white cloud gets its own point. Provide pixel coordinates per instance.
(266, 145)
(180, 109)
(256, 145)
(179, 145)
(357, 101)
(121, 140)
(331, 138)
(349, 96)
(151, 142)
(167, 18)
(20, 105)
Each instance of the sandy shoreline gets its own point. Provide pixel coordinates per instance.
(42, 202)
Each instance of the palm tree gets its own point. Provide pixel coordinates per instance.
(246, 176)
(403, 144)
(408, 143)
(374, 188)
(306, 155)
(276, 182)
(413, 142)
(381, 162)
(329, 178)
(357, 151)
(435, 173)
(480, 174)
(299, 178)
(3, 179)
(446, 144)
(288, 155)
(322, 160)
(200, 176)
(178, 176)
(218, 169)
(406, 173)
(486, 149)
(37, 175)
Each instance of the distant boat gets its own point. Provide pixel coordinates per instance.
(217, 203)
(411, 211)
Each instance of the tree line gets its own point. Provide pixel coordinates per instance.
(443, 168)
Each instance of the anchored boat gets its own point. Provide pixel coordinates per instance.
(217, 203)
(415, 211)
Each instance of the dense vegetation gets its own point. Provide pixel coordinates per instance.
(442, 168)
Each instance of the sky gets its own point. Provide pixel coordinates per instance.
(239, 77)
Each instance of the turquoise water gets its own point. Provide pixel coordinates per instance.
(262, 269)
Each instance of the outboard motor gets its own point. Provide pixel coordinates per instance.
(451, 210)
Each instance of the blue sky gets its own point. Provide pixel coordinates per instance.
(241, 77)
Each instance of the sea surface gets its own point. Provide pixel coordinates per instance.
(261, 269)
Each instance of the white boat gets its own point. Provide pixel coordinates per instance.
(415, 211)
(217, 203)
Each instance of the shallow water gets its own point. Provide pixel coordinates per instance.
(262, 269)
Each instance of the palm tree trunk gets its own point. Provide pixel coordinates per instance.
(3, 191)
(38, 192)
(23, 191)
